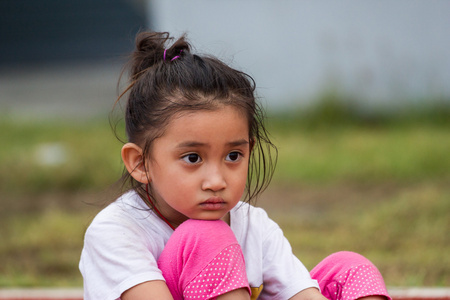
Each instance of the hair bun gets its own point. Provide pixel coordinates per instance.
(150, 50)
(178, 49)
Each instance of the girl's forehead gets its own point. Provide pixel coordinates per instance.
(218, 110)
(223, 119)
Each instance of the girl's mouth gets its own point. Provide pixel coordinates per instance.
(213, 203)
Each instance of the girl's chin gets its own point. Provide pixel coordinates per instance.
(213, 216)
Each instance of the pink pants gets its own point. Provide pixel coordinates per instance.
(348, 276)
(203, 260)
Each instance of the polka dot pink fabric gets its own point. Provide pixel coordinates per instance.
(225, 273)
(348, 276)
(361, 281)
(202, 260)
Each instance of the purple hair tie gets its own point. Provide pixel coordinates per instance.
(175, 57)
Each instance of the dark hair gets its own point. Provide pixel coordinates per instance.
(166, 81)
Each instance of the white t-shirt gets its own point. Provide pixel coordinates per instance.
(124, 241)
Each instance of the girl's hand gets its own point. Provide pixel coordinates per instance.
(309, 294)
(149, 290)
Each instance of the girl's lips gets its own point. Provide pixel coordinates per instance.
(214, 203)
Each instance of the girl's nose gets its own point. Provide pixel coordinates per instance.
(214, 180)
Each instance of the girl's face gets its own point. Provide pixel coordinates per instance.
(198, 168)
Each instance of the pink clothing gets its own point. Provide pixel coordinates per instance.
(348, 276)
(203, 260)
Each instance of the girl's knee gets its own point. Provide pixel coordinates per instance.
(349, 275)
(347, 258)
(338, 263)
(199, 227)
(204, 232)
(195, 245)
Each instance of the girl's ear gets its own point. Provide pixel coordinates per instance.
(132, 156)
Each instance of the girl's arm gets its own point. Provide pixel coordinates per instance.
(239, 294)
(309, 294)
(149, 290)
(158, 289)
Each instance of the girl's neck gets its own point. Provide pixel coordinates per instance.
(227, 218)
(157, 211)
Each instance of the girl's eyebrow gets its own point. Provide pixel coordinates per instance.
(237, 143)
(193, 144)
(190, 144)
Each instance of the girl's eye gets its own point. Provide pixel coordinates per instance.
(233, 156)
(192, 158)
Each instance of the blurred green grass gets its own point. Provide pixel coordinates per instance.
(378, 185)
(57, 155)
(361, 153)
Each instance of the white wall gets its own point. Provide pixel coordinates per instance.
(376, 50)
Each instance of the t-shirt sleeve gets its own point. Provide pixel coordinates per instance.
(284, 274)
(117, 255)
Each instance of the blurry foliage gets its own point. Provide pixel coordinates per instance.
(41, 249)
(403, 229)
(329, 141)
(332, 109)
(48, 169)
(364, 155)
(55, 155)
(336, 141)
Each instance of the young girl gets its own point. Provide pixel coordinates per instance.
(196, 147)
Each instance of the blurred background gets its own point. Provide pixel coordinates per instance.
(358, 101)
